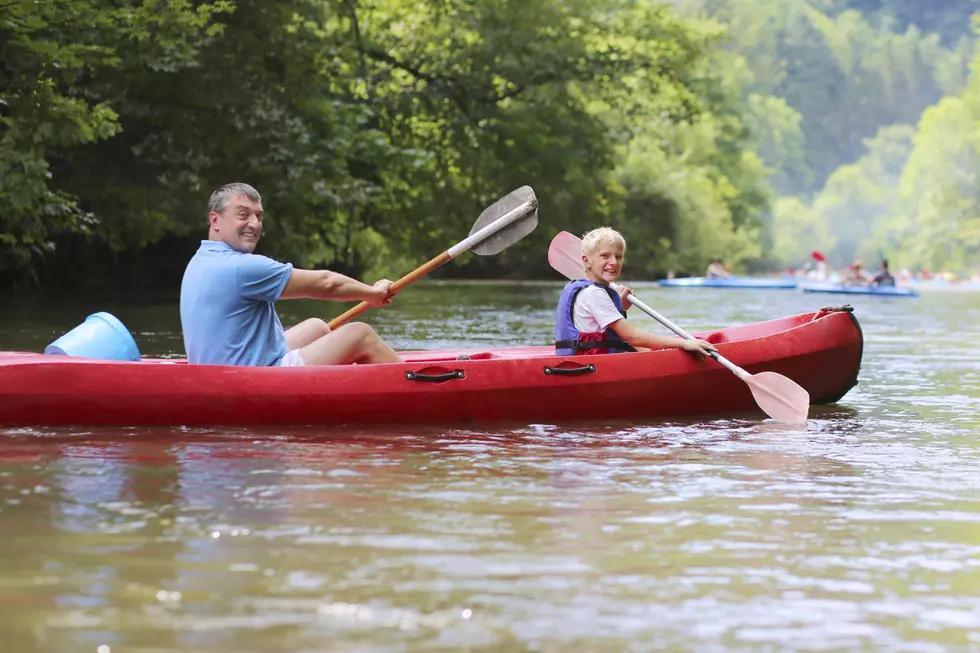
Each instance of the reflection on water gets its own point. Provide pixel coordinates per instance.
(858, 531)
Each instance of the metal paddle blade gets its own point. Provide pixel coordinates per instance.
(779, 397)
(565, 255)
(512, 232)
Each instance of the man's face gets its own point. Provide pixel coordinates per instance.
(239, 224)
(604, 264)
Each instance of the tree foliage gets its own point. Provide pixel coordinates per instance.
(377, 130)
(54, 58)
(949, 18)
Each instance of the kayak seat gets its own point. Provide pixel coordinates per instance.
(477, 356)
(716, 338)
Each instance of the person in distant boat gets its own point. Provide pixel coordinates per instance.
(591, 316)
(819, 271)
(855, 275)
(883, 278)
(228, 296)
(716, 270)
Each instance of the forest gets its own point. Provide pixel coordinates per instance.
(377, 130)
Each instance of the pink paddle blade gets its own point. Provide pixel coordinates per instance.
(565, 255)
(779, 397)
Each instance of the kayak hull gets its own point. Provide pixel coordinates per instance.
(744, 283)
(879, 291)
(820, 351)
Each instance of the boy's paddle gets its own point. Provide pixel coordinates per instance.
(501, 224)
(779, 397)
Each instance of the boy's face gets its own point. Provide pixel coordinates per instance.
(604, 264)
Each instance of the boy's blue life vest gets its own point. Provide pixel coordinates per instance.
(568, 340)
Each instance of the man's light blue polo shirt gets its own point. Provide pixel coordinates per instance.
(227, 307)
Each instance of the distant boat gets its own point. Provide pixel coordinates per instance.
(751, 283)
(842, 289)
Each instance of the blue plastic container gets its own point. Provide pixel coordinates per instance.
(101, 335)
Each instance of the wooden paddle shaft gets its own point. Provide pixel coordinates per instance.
(417, 273)
(498, 225)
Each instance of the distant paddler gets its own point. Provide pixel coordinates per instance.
(716, 270)
(883, 278)
(855, 275)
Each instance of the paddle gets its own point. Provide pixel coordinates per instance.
(779, 397)
(501, 224)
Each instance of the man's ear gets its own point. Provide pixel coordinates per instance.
(213, 220)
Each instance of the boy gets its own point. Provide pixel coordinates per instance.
(591, 315)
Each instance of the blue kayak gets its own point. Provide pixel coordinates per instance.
(839, 289)
(730, 282)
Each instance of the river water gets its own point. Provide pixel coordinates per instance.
(858, 532)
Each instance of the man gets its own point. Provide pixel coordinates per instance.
(228, 295)
(716, 270)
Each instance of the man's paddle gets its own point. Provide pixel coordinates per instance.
(501, 224)
(779, 397)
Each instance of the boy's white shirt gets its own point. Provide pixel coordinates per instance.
(594, 310)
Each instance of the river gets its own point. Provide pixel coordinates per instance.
(860, 531)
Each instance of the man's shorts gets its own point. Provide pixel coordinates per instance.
(292, 359)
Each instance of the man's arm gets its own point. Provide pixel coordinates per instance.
(638, 338)
(323, 284)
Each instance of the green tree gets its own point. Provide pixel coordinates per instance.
(949, 18)
(845, 77)
(51, 53)
(937, 223)
(375, 129)
(843, 217)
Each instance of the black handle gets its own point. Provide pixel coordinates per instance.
(569, 371)
(448, 376)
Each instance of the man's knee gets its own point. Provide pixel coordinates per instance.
(320, 327)
(364, 332)
(315, 327)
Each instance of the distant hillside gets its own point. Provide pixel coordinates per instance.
(948, 18)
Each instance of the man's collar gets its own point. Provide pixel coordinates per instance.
(216, 246)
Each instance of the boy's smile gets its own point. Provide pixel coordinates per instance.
(604, 264)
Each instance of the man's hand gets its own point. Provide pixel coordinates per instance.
(383, 294)
(624, 292)
(699, 348)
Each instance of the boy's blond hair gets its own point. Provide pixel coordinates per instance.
(602, 236)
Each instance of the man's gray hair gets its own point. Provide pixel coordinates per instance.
(219, 198)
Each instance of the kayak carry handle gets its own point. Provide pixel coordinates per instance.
(435, 378)
(569, 371)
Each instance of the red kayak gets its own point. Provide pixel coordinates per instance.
(821, 351)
